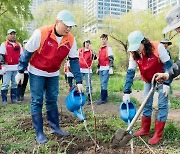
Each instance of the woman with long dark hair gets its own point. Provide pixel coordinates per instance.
(151, 57)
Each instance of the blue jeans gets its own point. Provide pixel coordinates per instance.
(70, 81)
(88, 82)
(162, 103)
(104, 78)
(40, 85)
(7, 77)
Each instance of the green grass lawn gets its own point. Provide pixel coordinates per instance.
(18, 136)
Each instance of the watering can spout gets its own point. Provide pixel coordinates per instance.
(79, 115)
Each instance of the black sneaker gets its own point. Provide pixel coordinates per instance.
(100, 102)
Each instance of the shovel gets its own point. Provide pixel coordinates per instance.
(122, 137)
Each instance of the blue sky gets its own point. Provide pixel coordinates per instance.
(139, 4)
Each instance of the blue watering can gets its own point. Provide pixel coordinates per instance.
(127, 111)
(74, 102)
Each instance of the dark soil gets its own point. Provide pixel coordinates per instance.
(84, 145)
(81, 145)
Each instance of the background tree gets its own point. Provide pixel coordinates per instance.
(14, 14)
(45, 15)
(119, 29)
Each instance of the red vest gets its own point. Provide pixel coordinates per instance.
(49, 56)
(149, 66)
(85, 58)
(12, 53)
(103, 56)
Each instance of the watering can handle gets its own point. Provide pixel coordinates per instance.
(153, 82)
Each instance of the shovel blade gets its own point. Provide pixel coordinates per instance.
(120, 138)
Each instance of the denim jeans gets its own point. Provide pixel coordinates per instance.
(88, 82)
(40, 85)
(7, 77)
(70, 81)
(162, 103)
(104, 78)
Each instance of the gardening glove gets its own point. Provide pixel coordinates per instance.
(160, 77)
(166, 90)
(126, 98)
(111, 71)
(4, 69)
(19, 78)
(80, 88)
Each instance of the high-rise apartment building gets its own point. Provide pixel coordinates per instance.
(36, 3)
(99, 9)
(158, 6)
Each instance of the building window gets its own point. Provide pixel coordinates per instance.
(107, 4)
(116, 13)
(115, 1)
(106, 8)
(106, 12)
(100, 16)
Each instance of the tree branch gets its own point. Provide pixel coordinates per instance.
(3, 12)
(173, 36)
(119, 41)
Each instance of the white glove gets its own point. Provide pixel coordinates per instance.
(80, 88)
(4, 69)
(160, 77)
(126, 98)
(110, 71)
(166, 90)
(19, 78)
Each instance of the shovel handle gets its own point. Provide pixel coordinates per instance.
(153, 83)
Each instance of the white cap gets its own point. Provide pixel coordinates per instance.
(66, 17)
(10, 31)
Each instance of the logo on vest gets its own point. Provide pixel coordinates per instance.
(150, 59)
(50, 44)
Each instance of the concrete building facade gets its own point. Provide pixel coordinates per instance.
(157, 6)
(97, 10)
